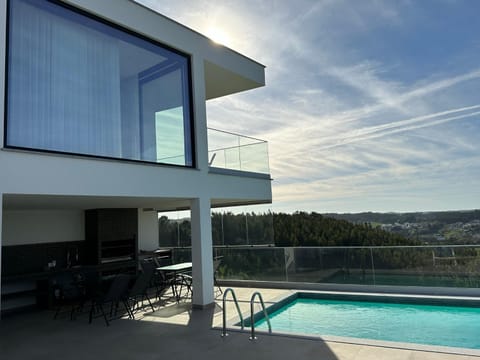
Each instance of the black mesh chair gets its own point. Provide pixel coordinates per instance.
(161, 281)
(216, 265)
(139, 291)
(117, 294)
(67, 292)
(186, 280)
(183, 281)
(90, 281)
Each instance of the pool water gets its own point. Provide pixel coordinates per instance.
(422, 324)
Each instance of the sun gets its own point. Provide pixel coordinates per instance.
(218, 36)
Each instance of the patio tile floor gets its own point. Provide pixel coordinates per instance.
(176, 331)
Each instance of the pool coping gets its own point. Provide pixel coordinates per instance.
(233, 323)
(354, 288)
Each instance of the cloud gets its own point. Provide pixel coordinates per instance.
(387, 129)
(372, 189)
(359, 109)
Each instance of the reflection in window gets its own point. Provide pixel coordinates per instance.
(168, 130)
(77, 85)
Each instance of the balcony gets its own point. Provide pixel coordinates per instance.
(236, 152)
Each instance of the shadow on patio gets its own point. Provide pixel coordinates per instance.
(38, 336)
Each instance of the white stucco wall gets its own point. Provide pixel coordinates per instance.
(42, 226)
(147, 229)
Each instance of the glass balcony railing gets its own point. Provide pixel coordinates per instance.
(237, 152)
(424, 266)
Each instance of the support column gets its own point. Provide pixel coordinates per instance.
(202, 255)
(1, 242)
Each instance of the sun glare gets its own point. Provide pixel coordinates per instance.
(218, 36)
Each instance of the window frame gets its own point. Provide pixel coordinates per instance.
(188, 83)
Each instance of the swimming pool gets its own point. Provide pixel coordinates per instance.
(429, 321)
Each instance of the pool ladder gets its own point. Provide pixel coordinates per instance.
(225, 293)
(252, 318)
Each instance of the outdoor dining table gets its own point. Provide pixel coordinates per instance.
(175, 270)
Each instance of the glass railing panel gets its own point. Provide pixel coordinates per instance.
(232, 158)
(455, 266)
(262, 264)
(402, 266)
(180, 255)
(423, 266)
(427, 266)
(330, 265)
(237, 152)
(254, 157)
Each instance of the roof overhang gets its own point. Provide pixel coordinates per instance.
(220, 81)
(226, 71)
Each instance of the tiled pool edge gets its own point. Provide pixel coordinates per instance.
(353, 288)
(367, 342)
(395, 298)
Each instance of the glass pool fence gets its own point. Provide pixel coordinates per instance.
(443, 266)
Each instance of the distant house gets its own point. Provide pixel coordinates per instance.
(104, 125)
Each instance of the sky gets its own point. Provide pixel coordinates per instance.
(368, 106)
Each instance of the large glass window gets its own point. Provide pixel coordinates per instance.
(78, 85)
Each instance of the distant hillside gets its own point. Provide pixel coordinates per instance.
(298, 229)
(312, 229)
(452, 227)
(447, 217)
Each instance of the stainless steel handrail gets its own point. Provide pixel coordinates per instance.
(252, 319)
(225, 293)
(237, 135)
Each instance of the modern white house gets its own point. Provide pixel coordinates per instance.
(104, 117)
